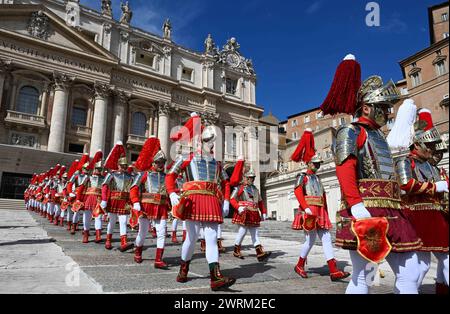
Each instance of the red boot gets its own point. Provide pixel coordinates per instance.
(441, 289)
(218, 281)
(56, 221)
(184, 235)
(159, 263)
(74, 229)
(108, 244)
(51, 218)
(174, 237)
(300, 268)
(237, 252)
(138, 254)
(124, 245)
(61, 221)
(85, 237)
(335, 273)
(183, 273)
(69, 226)
(98, 236)
(261, 255)
(203, 245)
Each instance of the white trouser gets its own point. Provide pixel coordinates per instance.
(87, 217)
(76, 217)
(201, 234)
(404, 265)
(57, 210)
(123, 223)
(425, 264)
(43, 207)
(219, 232)
(69, 214)
(210, 233)
(254, 233)
(99, 222)
(174, 225)
(311, 237)
(50, 208)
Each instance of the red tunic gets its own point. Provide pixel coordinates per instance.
(251, 217)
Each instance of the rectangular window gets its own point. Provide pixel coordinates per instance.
(294, 136)
(76, 148)
(187, 74)
(440, 68)
(444, 17)
(294, 123)
(319, 115)
(145, 59)
(231, 86)
(79, 116)
(134, 157)
(307, 119)
(416, 80)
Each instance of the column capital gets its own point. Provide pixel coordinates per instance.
(5, 66)
(165, 108)
(62, 81)
(210, 118)
(122, 97)
(101, 90)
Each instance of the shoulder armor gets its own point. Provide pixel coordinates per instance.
(108, 179)
(235, 192)
(223, 174)
(137, 179)
(176, 168)
(300, 180)
(345, 145)
(404, 170)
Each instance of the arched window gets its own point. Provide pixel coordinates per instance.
(28, 101)
(138, 124)
(79, 112)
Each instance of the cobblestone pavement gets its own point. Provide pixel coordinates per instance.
(34, 254)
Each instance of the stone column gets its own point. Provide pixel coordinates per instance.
(98, 136)
(57, 135)
(4, 69)
(163, 126)
(119, 115)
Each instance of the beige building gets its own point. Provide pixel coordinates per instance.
(73, 80)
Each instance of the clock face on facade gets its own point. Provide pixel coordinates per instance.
(233, 60)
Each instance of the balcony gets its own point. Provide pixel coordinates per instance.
(136, 140)
(25, 119)
(81, 130)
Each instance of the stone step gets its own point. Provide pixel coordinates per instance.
(11, 204)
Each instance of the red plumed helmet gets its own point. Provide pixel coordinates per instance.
(84, 162)
(55, 171)
(61, 172)
(343, 94)
(306, 148)
(145, 160)
(238, 173)
(193, 127)
(97, 157)
(425, 116)
(112, 161)
(73, 169)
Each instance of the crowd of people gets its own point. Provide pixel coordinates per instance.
(393, 209)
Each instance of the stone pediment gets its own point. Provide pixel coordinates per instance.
(39, 23)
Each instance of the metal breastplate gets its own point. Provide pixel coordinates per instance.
(375, 160)
(81, 179)
(61, 187)
(156, 182)
(121, 182)
(313, 187)
(96, 181)
(251, 194)
(425, 172)
(203, 169)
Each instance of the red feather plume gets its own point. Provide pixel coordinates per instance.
(97, 157)
(151, 147)
(116, 153)
(238, 173)
(306, 148)
(73, 169)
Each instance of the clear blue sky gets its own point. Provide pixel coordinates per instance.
(295, 45)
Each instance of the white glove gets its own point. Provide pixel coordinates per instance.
(57, 195)
(359, 211)
(174, 199)
(241, 210)
(226, 208)
(47, 195)
(103, 204)
(441, 187)
(137, 207)
(308, 211)
(72, 195)
(264, 217)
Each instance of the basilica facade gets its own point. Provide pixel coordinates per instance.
(74, 80)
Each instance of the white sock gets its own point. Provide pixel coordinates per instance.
(254, 233)
(212, 249)
(123, 223)
(358, 284)
(327, 245)
(201, 234)
(193, 230)
(424, 259)
(240, 235)
(144, 223)
(98, 222)
(442, 268)
(76, 217)
(219, 232)
(161, 226)
(184, 226)
(57, 211)
(174, 225)
(87, 217)
(406, 268)
(310, 239)
(112, 223)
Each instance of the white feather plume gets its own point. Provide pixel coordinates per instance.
(402, 133)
